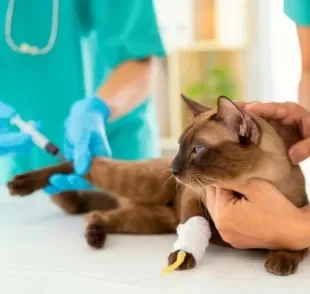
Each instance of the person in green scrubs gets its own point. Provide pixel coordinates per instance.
(82, 69)
(298, 11)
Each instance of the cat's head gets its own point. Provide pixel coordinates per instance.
(224, 144)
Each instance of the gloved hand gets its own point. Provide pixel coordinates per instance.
(70, 182)
(85, 137)
(15, 142)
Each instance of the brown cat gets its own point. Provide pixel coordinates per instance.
(142, 197)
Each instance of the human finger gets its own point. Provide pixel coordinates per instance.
(10, 140)
(15, 143)
(51, 190)
(272, 110)
(60, 182)
(243, 104)
(211, 199)
(300, 151)
(78, 183)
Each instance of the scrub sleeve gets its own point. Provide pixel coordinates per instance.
(298, 11)
(127, 30)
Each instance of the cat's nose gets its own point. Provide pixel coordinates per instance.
(174, 171)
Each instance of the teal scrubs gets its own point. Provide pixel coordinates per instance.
(94, 37)
(298, 11)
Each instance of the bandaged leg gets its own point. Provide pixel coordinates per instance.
(193, 237)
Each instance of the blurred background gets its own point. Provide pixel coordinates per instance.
(244, 49)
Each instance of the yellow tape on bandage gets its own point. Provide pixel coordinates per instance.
(180, 258)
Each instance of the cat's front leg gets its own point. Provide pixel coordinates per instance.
(284, 262)
(193, 238)
(27, 183)
(193, 232)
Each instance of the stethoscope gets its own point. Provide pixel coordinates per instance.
(26, 48)
(34, 50)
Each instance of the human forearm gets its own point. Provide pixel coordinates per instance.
(126, 87)
(304, 90)
(305, 228)
(303, 33)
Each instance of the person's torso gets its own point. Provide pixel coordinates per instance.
(44, 85)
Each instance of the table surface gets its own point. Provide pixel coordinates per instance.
(44, 251)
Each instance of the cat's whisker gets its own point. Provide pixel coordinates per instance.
(203, 181)
(168, 179)
(198, 189)
(207, 179)
(204, 199)
(203, 192)
(177, 190)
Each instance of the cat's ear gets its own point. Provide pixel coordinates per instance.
(195, 107)
(238, 120)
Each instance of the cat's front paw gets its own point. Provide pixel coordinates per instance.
(23, 185)
(188, 263)
(282, 263)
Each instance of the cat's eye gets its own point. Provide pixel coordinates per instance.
(198, 149)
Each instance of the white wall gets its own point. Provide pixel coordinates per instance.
(284, 55)
(273, 55)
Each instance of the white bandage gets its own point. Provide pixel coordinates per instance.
(193, 237)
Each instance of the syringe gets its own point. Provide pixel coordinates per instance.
(38, 139)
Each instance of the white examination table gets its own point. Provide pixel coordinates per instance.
(44, 251)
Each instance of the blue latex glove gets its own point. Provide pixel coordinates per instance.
(15, 142)
(69, 182)
(85, 137)
(12, 142)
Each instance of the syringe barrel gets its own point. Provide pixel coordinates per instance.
(39, 139)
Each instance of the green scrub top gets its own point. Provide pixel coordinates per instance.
(298, 11)
(93, 37)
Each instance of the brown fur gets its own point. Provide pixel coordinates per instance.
(145, 199)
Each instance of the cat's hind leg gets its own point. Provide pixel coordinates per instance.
(129, 219)
(77, 202)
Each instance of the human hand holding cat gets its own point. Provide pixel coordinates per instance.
(257, 221)
(292, 123)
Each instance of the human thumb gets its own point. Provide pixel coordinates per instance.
(300, 151)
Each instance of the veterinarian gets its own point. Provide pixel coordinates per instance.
(81, 68)
(265, 218)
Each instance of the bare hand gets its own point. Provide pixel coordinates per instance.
(262, 219)
(292, 122)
